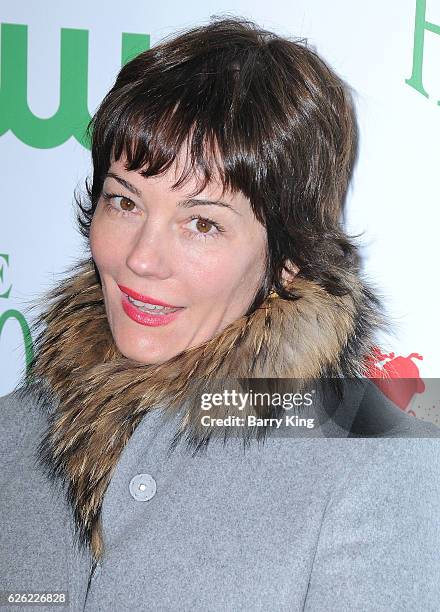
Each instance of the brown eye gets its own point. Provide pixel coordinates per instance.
(126, 204)
(203, 226)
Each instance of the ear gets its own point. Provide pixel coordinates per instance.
(290, 270)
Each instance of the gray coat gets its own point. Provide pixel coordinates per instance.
(320, 522)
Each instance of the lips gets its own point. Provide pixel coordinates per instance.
(145, 298)
(144, 317)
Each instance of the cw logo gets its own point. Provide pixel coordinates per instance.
(72, 116)
(16, 314)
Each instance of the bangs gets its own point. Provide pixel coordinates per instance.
(152, 145)
(207, 112)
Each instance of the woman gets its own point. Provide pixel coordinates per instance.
(218, 263)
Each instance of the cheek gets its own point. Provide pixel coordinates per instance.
(202, 273)
(218, 275)
(106, 248)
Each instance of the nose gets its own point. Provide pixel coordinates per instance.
(149, 253)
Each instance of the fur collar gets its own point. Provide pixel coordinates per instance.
(98, 396)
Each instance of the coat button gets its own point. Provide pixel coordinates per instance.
(142, 487)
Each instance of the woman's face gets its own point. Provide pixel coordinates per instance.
(201, 255)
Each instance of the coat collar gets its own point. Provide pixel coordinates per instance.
(98, 396)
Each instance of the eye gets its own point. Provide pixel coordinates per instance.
(125, 207)
(203, 228)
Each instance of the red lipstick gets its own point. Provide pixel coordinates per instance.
(142, 316)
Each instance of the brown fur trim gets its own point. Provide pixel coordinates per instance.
(98, 396)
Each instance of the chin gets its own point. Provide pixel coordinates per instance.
(152, 355)
(145, 359)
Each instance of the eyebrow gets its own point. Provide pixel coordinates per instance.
(182, 204)
(194, 202)
(124, 183)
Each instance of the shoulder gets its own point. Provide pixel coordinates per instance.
(23, 417)
(378, 416)
(389, 453)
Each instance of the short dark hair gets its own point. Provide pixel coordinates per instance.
(280, 118)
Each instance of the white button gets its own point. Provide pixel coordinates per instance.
(142, 487)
